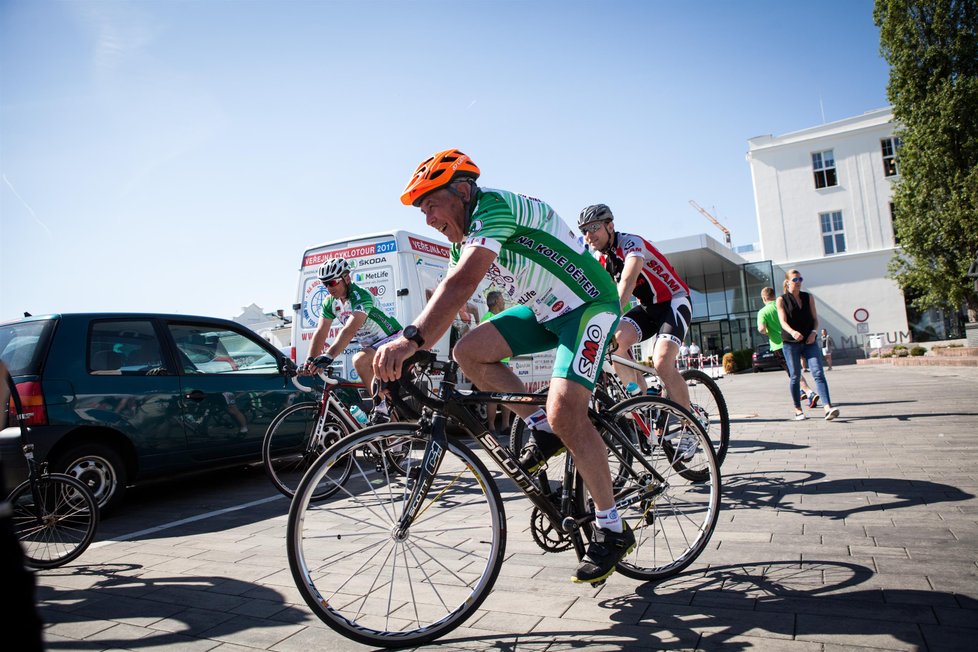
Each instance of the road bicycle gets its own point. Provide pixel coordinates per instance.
(54, 515)
(401, 560)
(300, 433)
(705, 397)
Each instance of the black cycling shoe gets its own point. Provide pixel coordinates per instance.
(541, 446)
(607, 548)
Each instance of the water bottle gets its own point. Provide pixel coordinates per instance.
(359, 415)
(632, 389)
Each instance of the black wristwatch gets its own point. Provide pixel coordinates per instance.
(412, 333)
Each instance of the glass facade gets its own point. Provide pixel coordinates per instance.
(726, 298)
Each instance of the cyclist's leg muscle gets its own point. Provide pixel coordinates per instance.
(567, 403)
(512, 332)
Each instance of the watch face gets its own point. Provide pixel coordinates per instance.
(411, 333)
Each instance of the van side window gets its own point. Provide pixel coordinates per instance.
(209, 350)
(124, 347)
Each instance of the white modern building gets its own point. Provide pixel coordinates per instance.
(823, 199)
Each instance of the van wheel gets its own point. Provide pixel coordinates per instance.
(100, 468)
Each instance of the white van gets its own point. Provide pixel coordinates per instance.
(401, 270)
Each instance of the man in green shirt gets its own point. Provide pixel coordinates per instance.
(769, 324)
(564, 300)
(353, 307)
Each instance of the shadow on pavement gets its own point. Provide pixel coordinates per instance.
(179, 607)
(733, 607)
(786, 490)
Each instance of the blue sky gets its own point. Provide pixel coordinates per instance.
(179, 156)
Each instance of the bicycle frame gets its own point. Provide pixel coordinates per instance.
(453, 402)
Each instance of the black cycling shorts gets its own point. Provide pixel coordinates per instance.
(667, 319)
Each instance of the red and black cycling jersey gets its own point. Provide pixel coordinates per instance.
(657, 282)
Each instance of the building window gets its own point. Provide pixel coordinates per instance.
(823, 163)
(890, 147)
(896, 238)
(833, 235)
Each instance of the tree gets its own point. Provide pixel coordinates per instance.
(932, 49)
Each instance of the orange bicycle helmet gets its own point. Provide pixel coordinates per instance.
(437, 172)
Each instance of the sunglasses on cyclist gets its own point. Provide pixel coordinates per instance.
(333, 283)
(592, 227)
(797, 279)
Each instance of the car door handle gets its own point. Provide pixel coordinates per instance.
(195, 395)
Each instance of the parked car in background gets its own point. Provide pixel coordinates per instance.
(116, 399)
(763, 358)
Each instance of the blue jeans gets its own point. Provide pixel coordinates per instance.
(793, 352)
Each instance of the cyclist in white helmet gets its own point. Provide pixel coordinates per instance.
(361, 320)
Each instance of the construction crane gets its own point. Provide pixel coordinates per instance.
(716, 222)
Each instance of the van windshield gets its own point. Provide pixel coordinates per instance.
(22, 345)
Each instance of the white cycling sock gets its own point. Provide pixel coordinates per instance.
(608, 519)
(538, 421)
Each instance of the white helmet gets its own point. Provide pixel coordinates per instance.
(333, 268)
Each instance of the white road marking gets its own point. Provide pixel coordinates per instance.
(183, 521)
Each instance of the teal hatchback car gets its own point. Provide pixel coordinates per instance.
(116, 399)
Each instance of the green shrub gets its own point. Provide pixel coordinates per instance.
(956, 345)
(918, 351)
(899, 347)
(901, 353)
(887, 355)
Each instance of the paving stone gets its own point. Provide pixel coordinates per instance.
(861, 533)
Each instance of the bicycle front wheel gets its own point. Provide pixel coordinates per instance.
(55, 520)
(709, 406)
(672, 515)
(294, 440)
(374, 584)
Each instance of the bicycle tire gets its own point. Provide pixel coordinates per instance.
(375, 587)
(710, 407)
(291, 445)
(61, 527)
(674, 521)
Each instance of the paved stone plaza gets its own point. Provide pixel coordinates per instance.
(860, 533)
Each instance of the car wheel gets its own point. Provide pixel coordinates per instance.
(100, 468)
(756, 369)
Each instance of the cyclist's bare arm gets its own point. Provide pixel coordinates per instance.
(629, 276)
(319, 338)
(346, 334)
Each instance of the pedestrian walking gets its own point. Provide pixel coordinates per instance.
(799, 323)
(769, 324)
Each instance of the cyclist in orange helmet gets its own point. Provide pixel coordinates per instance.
(563, 299)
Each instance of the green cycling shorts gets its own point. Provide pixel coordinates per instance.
(580, 337)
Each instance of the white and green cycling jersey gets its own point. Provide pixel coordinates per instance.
(378, 325)
(539, 263)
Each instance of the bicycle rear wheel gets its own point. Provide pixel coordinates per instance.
(367, 581)
(55, 521)
(709, 406)
(294, 440)
(673, 518)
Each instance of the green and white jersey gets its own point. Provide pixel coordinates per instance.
(378, 325)
(539, 263)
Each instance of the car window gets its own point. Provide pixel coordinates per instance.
(22, 345)
(208, 350)
(127, 347)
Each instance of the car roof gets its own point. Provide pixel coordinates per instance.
(118, 315)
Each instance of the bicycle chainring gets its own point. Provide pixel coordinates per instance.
(546, 535)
